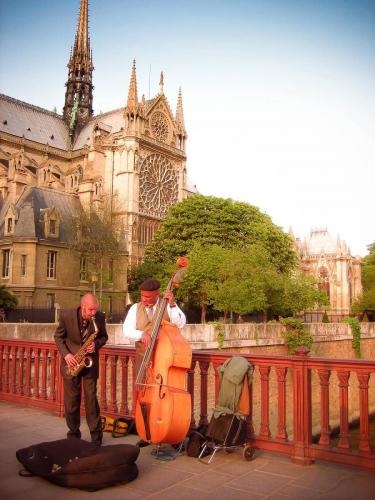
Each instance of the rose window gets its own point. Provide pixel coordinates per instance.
(159, 126)
(158, 186)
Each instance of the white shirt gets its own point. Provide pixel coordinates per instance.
(176, 316)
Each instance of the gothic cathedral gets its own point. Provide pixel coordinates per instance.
(52, 165)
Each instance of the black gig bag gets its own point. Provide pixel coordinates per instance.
(79, 464)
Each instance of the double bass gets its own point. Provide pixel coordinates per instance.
(163, 407)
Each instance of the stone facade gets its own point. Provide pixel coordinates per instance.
(51, 165)
(331, 262)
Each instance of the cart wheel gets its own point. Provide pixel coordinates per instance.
(248, 453)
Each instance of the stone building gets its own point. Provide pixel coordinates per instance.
(51, 165)
(330, 260)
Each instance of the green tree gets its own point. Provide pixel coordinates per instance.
(7, 299)
(142, 272)
(239, 261)
(230, 280)
(290, 293)
(241, 281)
(223, 222)
(367, 300)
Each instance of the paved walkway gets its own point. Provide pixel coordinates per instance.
(229, 476)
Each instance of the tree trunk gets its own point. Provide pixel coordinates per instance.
(203, 312)
(101, 283)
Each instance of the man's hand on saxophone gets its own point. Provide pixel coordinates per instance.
(71, 360)
(90, 348)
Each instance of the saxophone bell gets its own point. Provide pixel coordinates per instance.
(87, 361)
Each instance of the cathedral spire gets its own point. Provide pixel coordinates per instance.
(82, 41)
(78, 96)
(161, 83)
(180, 112)
(180, 122)
(133, 92)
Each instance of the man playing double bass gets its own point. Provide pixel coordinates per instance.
(139, 320)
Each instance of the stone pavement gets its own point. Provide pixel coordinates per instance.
(229, 476)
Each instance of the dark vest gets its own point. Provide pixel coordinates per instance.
(142, 321)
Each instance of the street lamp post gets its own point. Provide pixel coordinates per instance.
(94, 279)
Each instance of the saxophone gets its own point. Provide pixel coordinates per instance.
(83, 359)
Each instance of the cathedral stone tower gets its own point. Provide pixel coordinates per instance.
(78, 97)
(130, 162)
(330, 260)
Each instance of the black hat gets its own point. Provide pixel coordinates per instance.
(150, 285)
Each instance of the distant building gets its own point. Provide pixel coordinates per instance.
(51, 165)
(330, 260)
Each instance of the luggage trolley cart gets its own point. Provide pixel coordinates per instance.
(229, 434)
(228, 430)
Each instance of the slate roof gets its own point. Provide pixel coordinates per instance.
(321, 241)
(37, 124)
(113, 119)
(30, 206)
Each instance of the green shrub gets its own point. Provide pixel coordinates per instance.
(355, 328)
(295, 334)
(325, 317)
(219, 329)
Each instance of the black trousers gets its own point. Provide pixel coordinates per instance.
(72, 404)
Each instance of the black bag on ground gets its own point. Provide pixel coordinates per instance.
(227, 430)
(79, 464)
(195, 441)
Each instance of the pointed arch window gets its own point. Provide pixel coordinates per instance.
(324, 280)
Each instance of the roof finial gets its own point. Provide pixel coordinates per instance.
(161, 83)
(180, 114)
(133, 93)
(82, 42)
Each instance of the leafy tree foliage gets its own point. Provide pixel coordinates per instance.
(147, 270)
(239, 261)
(367, 301)
(242, 282)
(289, 294)
(223, 222)
(7, 299)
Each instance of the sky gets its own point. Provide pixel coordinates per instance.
(279, 95)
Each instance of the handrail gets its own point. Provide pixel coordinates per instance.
(293, 398)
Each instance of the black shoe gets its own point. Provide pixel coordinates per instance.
(73, 435)
(97, 437)
(142, 444)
